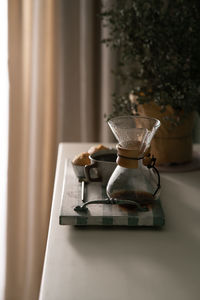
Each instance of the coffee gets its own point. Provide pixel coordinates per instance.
(111, 157)
(103, 163)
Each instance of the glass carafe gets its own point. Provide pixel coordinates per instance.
(135, 178)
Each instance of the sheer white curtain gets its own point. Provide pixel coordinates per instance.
(3, 134)
(87, 82)
(60, 87)
(32, 141)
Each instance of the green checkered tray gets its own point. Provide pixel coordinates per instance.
(101, 214)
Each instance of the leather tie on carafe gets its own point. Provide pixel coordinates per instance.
(128, 158)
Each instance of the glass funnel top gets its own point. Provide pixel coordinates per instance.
(134, 132)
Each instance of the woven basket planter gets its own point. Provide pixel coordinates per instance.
(172, 144)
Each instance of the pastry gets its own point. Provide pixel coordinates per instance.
(95, 149)
(81, 159)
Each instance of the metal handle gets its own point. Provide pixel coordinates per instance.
(88, 175)
(151, 165)
(83, 208)
(158, 184)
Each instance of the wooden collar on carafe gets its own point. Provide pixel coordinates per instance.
(128, 158)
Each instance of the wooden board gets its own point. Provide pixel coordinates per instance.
(101, 214)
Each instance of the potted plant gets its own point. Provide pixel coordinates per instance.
(158, 45)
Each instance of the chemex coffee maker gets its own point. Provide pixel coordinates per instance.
(135, 181)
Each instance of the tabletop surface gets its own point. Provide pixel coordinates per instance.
(125, 263)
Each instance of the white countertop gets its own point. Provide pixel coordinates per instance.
(126, 263)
